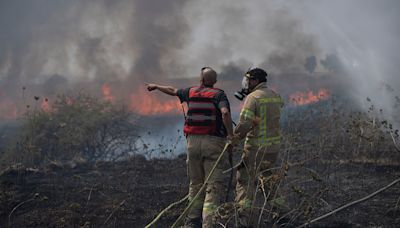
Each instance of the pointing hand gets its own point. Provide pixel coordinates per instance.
(151, 87)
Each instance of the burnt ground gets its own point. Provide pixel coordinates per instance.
(121, 194)
(131, 193)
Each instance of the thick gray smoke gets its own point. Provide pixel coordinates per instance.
(51, 46)
(365, 38)
(263, 33)
(88, 41)
(103, 40)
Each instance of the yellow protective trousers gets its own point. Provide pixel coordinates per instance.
(256, 161)
(203, 151)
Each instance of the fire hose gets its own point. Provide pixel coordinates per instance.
(183, 214)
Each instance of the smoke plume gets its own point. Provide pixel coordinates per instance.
(54, 46)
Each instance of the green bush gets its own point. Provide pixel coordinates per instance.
(78, 127)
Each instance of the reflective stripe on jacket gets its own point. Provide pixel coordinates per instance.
(259, 118)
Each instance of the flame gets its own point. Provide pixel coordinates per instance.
(45, 105)
(8, 109)
(303, 98)
(69, 100)
(148, 103)
(105, 89)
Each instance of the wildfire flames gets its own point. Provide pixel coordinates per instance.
(45, 105)
(145, 103)
(8, 109)
(105, 89)
(303, 98)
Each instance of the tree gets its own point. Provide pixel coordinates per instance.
(81, 127)
(311, 63)
(332, 63)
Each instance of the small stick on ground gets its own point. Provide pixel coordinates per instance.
(351, 203)
(90, 194)
(116, 209)
(397, 203)
(394, 142)
(20, 204)
(265, 201)
(165, 210)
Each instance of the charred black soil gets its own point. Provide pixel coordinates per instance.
(131, 193)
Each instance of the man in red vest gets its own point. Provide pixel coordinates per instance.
(208, 124)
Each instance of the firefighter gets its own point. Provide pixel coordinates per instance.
(259, 125)
(208, 125)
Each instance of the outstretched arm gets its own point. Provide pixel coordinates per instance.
(170, 90)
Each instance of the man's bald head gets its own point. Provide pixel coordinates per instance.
(208, 76)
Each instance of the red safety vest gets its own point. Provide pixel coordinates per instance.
(202, 114)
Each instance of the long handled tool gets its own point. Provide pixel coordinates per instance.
(165, 210)
(179, 220)
(230, 177)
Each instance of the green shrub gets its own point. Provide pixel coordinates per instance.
(78, 127)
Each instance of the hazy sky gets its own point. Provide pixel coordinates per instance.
(133, 41)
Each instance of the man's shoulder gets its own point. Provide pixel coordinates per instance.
(266, 92)
(219, 90)
(187, 89)
(183, 90)
(272, 93)
(251, 100)
(256, 94)
(206, 88)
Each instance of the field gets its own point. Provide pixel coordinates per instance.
(328, 159)
(131, 193)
